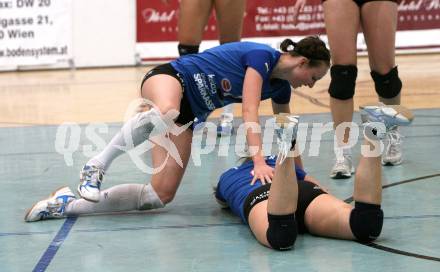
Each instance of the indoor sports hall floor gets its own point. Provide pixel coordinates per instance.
(193, 233)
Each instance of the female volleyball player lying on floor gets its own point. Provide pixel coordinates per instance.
(291, 204)
(294, 205)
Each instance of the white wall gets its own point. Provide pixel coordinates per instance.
(104, 32)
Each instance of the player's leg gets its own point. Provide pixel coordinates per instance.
(124, 197)
(379, 22)
(273, 221)
(331, 217)
(366, 219)
(274, 224)
(328, 216)
(230, 14)
(166, 182)
(170, 159)
(165, 94)
(342, 20)
(193, 16)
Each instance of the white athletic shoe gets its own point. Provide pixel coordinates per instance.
(51, 207)
(226, 125)
(343, 167)
(393, 149)
(89, 186)
(286, 127)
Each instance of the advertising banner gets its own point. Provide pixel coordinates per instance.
(35, 32)
(271, 21)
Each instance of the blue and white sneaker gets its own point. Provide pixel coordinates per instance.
(226, 125)
(90, 180)
(390, 115)
(52, 207)
(286, 128)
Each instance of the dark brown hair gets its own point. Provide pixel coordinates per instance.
(311, 47)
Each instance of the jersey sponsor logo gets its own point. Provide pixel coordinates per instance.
(226, 85)
(212, 84)
(200, 80)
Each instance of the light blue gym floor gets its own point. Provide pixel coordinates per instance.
(192, 233)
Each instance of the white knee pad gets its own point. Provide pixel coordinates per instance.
(149, 199)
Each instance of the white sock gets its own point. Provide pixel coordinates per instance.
(134, 132)
(119, 198)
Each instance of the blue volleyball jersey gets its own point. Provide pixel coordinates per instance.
(214, 78)
(234, 185)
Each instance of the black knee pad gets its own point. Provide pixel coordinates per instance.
(366, 221)
(185, 49)
(343, 81)
(282, 231)
(388, 85)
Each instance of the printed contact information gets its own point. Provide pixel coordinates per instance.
(34, 32)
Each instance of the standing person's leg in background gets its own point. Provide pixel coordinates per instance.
(229, 15)
(379, 23)
(342, 20)
(193, 17)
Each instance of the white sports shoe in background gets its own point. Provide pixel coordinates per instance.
(393, 149)
(226, 125)
(343, 167)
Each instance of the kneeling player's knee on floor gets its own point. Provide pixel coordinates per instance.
(149, 199)
(282, 231)
(366, 221)
(343, 81)
(388, 85)
(167, 198)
